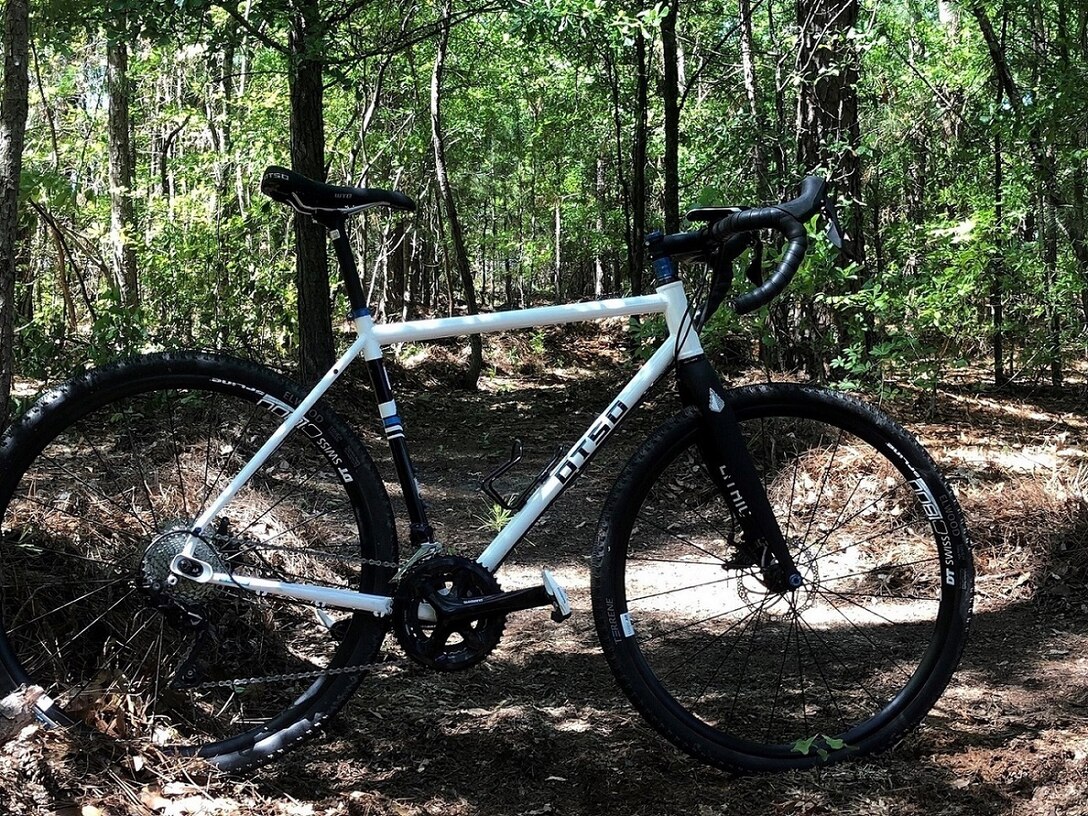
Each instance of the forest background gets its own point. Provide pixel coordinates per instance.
(541, 139)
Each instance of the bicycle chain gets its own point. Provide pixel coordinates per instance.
(306, 675)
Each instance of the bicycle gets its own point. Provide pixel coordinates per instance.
(199, 553)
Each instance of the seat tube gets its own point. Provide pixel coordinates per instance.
(345, 258)
(420, 529)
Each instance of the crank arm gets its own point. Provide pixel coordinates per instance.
(459, 609)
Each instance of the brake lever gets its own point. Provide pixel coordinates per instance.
(834, 230)
(754, 272)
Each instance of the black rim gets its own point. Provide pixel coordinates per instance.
(93, 504)
(798, 674)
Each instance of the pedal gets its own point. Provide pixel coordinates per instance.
(560, 602)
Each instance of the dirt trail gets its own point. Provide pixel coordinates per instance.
(541, 728)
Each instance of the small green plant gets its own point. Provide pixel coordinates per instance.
(536, 343)
(497, 518)
(821, 743)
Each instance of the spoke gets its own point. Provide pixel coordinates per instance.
(227, 457)
(823, 484)
(213, 422)
(139, 467)
(873, 503)
(793, 492)
(295, 489)
(307, 551)
(749, 621)
(778, 680)
(71, 472)
(887, 620)
(680, 589)
(111, 607)
(888, 597)
(801, 675)
(35, 550)
(695, 623)
(84, 685)
(838, 518)
(680, 538)
(69, 514)
(744, 667)
(308, 520)
(878, 649)
(64, 606)
(673, 561)
(107, 468)
(684, 661)
(177, 454)
(871, 570)
(819, 666)
(901, 525)
(864, 686)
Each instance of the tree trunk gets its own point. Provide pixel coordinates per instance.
(598, 256)
(12, 132)
(315, 338)
(476, 359)
(122, 217)
(997, 267)
(828, 135)
(638, 165)
(755, 110)
(670, 99)
(828, 131)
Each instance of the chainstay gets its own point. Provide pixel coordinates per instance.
(316, 673)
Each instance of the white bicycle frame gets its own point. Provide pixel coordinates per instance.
(682, 343)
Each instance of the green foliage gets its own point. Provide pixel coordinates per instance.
(540, 112)
(820, 743)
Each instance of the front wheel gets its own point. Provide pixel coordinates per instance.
(748, 677)
(100, 483)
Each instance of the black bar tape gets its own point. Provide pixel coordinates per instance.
(767, 218)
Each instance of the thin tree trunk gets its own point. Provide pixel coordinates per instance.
(12, 132)
(670, 98)
(476, 360)
(558, 267)
(315, 338)
(598, 256)
(755, 110)
(122, 216)
(638, 164)
(997, 270)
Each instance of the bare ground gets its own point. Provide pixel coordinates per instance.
(541, 728)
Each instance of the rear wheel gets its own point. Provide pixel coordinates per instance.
(752, 678)
(99, 483)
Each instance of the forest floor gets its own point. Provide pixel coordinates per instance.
(541, 728)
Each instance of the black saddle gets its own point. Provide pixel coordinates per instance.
(316, 198)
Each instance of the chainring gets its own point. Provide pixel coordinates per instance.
(445, 645)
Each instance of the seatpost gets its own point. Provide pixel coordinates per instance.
(338, 231)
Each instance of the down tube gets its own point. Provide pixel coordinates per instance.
(577, 457)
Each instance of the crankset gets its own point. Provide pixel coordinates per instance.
(431, 589)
